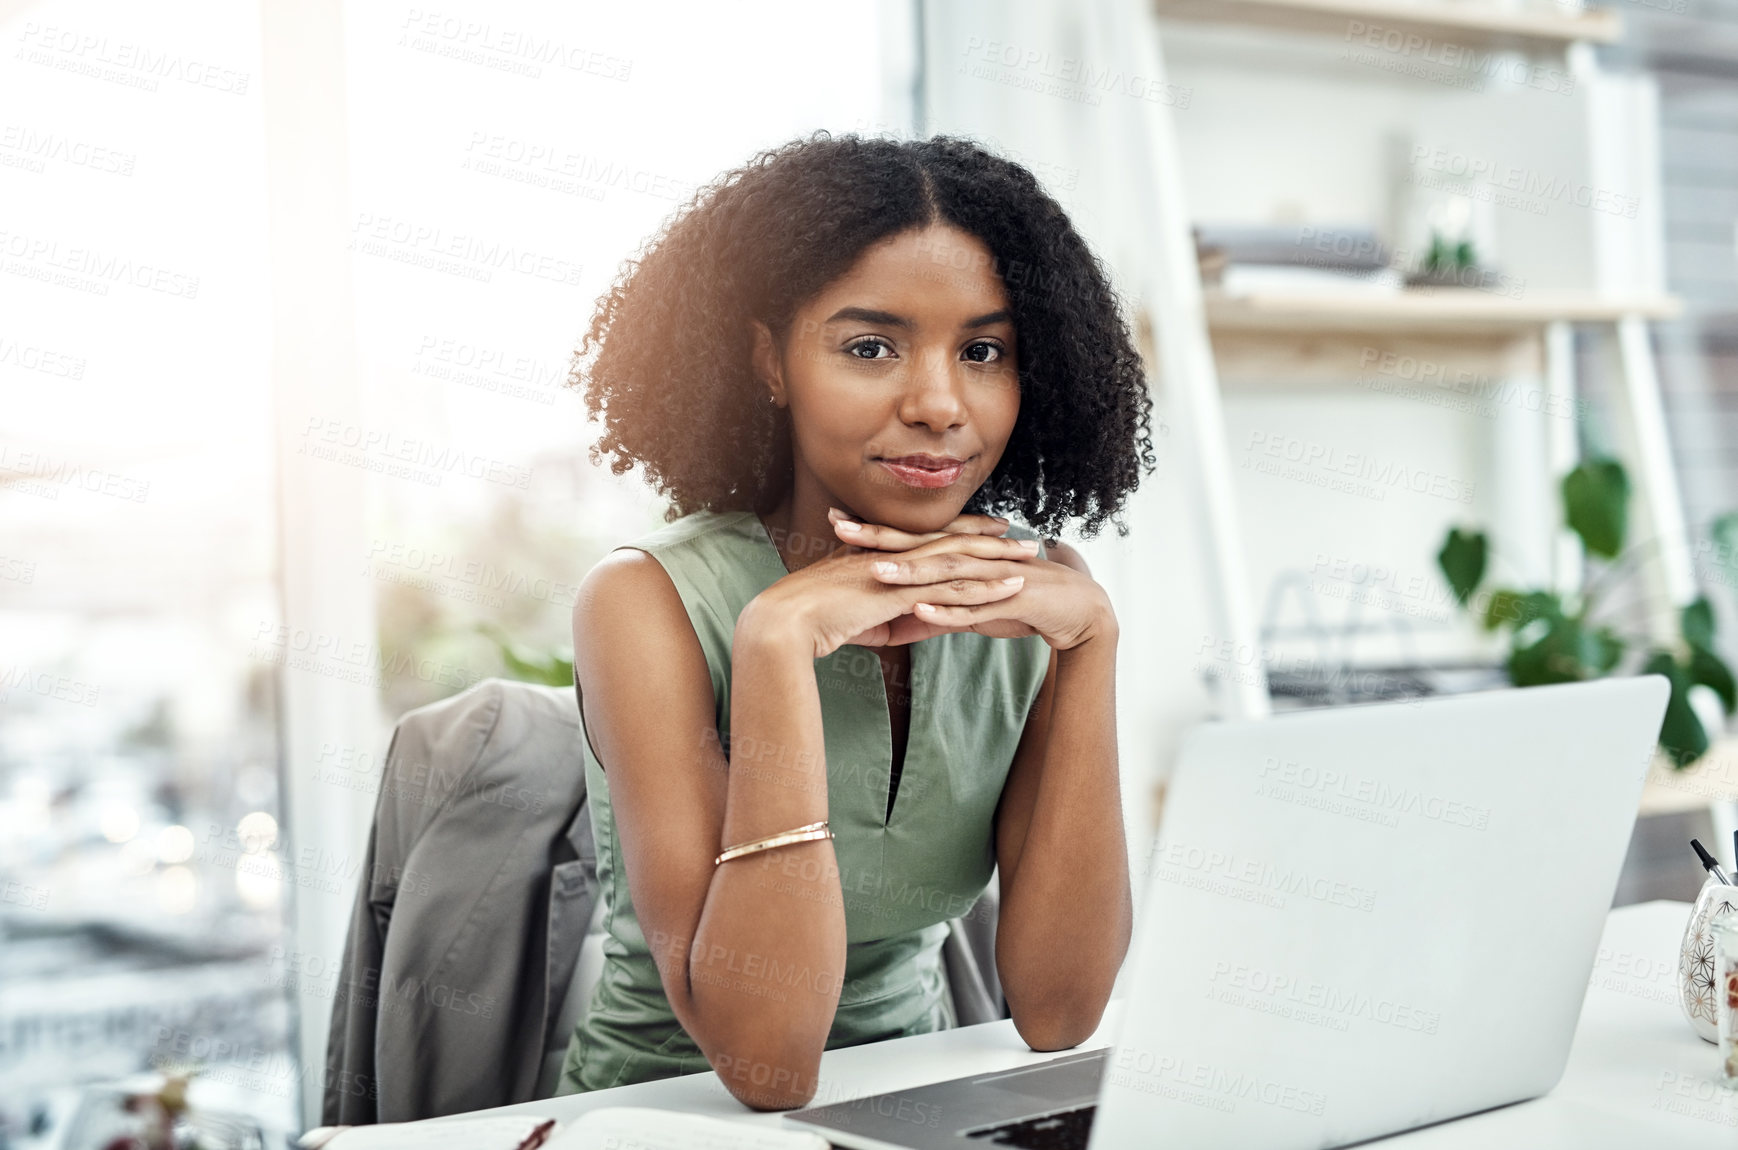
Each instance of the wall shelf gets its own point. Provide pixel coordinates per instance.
(1421, 344)
(1426, 311)
(1461, 22)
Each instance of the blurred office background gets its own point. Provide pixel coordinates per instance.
(289, 293)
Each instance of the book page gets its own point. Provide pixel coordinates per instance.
(644, 1128)
(505, 1133)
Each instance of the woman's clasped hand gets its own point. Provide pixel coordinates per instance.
(889, 587)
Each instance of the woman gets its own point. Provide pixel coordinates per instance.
(837, 363)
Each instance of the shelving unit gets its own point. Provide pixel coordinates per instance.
(1434, 311)
(1321, 338)
(1465, 22)
(1205, 337)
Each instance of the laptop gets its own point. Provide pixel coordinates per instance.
(1355, 921)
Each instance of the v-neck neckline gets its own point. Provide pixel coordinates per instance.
(766, 537)
(884, 708)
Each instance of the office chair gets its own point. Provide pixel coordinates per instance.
(475, 938)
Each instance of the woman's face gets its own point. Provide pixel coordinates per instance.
(910, 353)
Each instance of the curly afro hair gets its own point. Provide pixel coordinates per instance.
(666, 362)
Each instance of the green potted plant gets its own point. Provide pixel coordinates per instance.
(530, 664)
(1555, 638)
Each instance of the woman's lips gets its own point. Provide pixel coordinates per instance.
(913, 475)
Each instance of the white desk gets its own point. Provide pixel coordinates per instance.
(1638, 1079)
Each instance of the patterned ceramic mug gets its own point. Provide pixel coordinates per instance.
(1696, 957)
(1725, 929)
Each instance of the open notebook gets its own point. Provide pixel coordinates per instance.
(607, 1128)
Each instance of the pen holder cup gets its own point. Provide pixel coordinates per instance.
(1696, 957)
(1726, 994)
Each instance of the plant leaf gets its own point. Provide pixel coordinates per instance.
(1554, 657)
(1710, 670)
(1462, 560)
(551, 669)
(1697, 624)
(1600, 650)
(1540, 605)
(1517, 610)
(1596, 505)
(1504, 607)
(1681, 735)
(1725, 533)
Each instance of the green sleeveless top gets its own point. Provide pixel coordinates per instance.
(901, 876)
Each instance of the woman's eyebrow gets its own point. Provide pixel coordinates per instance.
(888, 319)
(869, 315)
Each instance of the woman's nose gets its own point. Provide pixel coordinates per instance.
(933, 393)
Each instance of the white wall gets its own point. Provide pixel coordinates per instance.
(1276, 129)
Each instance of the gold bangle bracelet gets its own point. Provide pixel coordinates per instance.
(783, 838)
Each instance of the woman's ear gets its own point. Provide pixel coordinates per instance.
(767, 368)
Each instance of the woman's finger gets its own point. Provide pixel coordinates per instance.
(957, 614)
(967, 591)
(973, 524)
(951, 553)
(911, 629)
(999, 619)
(942, 567)
(880, 537)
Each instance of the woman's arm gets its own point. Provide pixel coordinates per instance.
(751, 952)
(1066, 911)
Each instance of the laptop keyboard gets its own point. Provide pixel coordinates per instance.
(1064, 1130)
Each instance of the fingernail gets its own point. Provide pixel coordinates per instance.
(1013, 579)
(1030, 545)
(834, 512)
(886, 568)
(847, 526)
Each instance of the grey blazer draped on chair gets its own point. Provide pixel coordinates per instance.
(478, 888)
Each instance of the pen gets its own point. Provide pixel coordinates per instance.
(1709, 862)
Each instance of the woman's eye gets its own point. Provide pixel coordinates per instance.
(983, 352)
(870, 349)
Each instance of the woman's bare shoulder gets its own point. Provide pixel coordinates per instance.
(628, 595)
